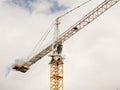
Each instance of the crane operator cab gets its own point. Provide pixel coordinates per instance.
(57, 48)
(56, 53)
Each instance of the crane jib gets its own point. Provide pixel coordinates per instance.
(88, 18)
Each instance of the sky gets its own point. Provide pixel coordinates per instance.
(92, 59)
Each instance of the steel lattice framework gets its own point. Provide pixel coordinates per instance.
(104, 6)
(56, 66)
(92, 15)
(56, 74)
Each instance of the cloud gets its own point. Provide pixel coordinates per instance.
(30, 5)
(93, 56)
(56, 7)
(25, 4)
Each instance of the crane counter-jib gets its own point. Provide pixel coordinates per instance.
(88, 18)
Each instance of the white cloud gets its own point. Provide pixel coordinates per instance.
(49, 6)
(93, 54)
(42, 7)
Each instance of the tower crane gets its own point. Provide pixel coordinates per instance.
(56, 64)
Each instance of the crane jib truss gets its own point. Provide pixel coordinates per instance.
(88, 18)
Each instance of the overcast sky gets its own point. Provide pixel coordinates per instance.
(92, 60)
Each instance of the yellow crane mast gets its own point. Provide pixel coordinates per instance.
(56, 73)
(56, 64)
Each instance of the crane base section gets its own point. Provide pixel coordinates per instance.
(56, 73)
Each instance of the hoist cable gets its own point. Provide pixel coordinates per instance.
(74, 8)
(41, 41)
(43, 38)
